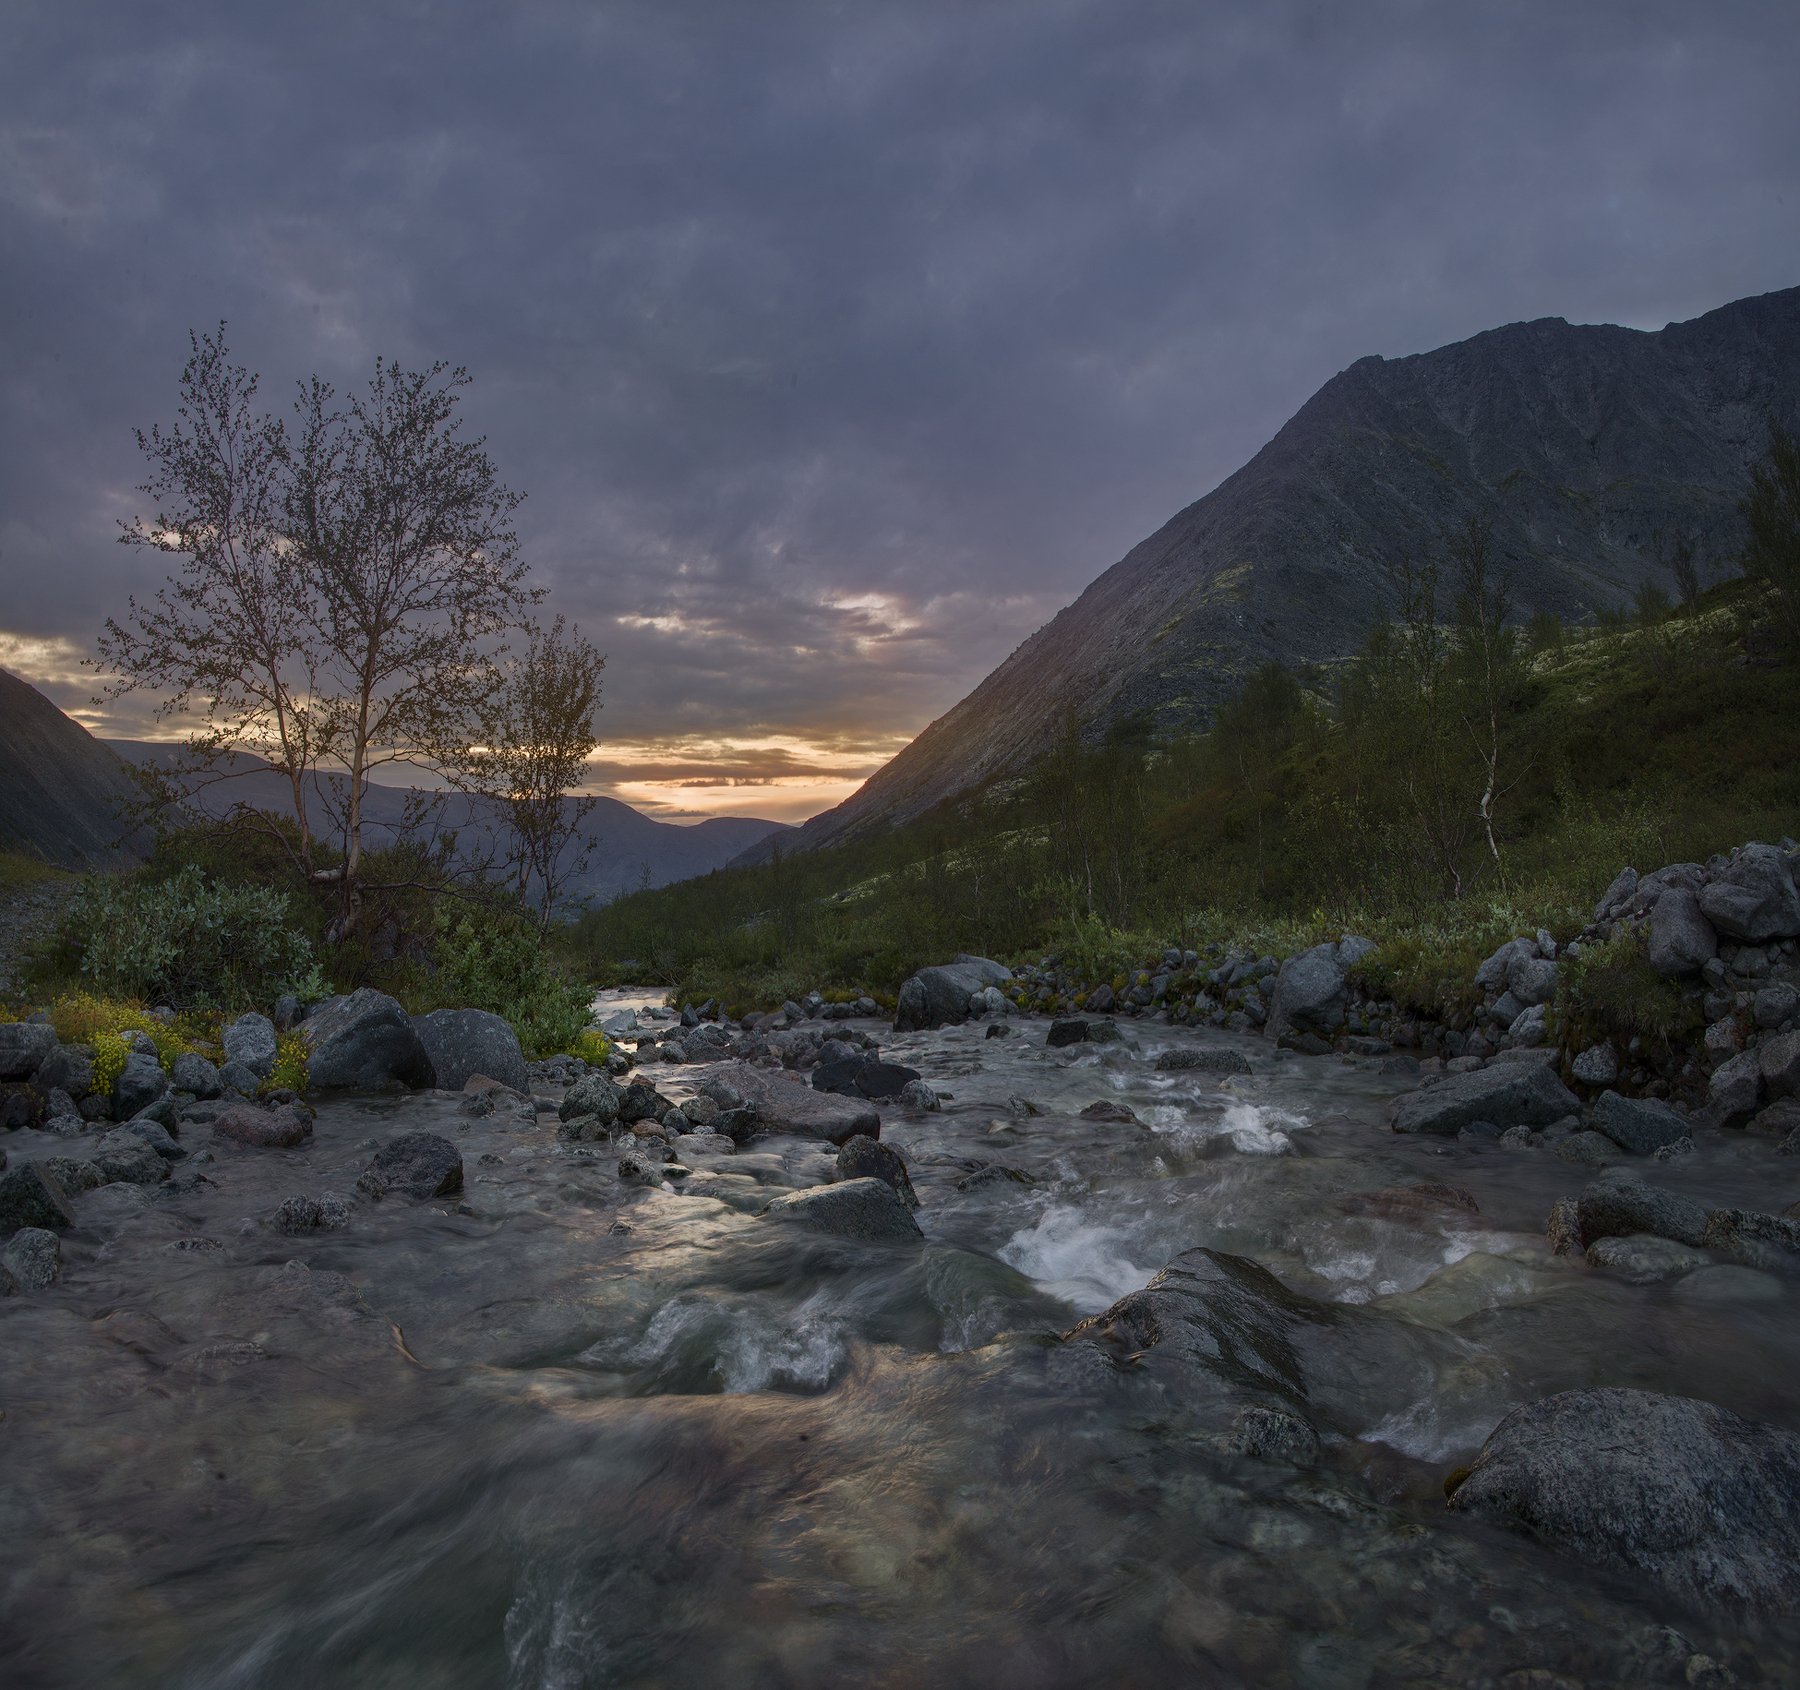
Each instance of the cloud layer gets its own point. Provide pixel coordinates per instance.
(836, 345)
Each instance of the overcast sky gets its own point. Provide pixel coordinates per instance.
(835, 346)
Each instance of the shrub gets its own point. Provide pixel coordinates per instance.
(184, 942)
(496, 961)
(110, 1051)
(592, 1046)
(290, 1072)
(82, 1018)
(1611, 991)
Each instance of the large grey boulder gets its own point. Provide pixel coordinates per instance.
(68, 1068)
(1778, 1061)
(31, 1196)
(1735, 1090)
(593, 1097)
(1531, 980)
(1753, 898)
(1641, 1124)
(1311, 992)
(939, 997)
(140, 1083)
(123, 1156)
(251, 1040)
(1682, 940)
(364, 1042)
(465, 1042)
(769, 1104)
(1524, 1093)
(863, 1075)
(866, 1208)
(1622, 1206)
(192, 1073)
(24, 1045)
(1492, 975)
(1695, 1497)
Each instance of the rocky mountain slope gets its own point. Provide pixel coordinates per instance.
(61, 790)
(1584, 444)
(629, 849)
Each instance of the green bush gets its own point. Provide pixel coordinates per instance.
(185, 942)
(1611, 991)
(491, 960)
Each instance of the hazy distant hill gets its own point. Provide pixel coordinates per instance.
(629, 848)
(61, 790)
(1582, 443)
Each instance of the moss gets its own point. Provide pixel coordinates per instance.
(1611, 991)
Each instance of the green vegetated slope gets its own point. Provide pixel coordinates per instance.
(1335, 799)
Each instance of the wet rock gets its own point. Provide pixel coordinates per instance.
(938, 997)
(1753, 898)
(920, 1095)
(364, 1042)
(192, 1073)
(1522, 1093)
(1311, 992)
(328, 1212)
(1584, 1149)
(418, 1165)
(1682, 941)
(1066, 1032)
(281, 1127)
(121, 1155)
(1638, 1124)
(30, 1196)
(1598, 1065)
(1412, 1202)
(641, 1102)
(24, 1048)
(594, 1098)
(140, 1083)
(1735, 1090)
(867, 1158)
(1104, 1033)
(1778, 1060)
(1704, 1502)
(1107, 1110)
(251, 1040)
(33, 1256)
(1620, 1205)
(156, 1136)
(767, 1104)
(462, 1043)
(863, 1075)
(1181, 1059)
(73, 1175)
(1643, 1259)
(1563, 1230)
(1751, 1238)
(1213, 1334)
(1271, 1434)
(865, 1208)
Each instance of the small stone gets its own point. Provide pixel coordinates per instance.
(421, 1165)
(33, 1256)
(328, 1212)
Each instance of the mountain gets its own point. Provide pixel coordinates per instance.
(1584, 444)
(628, 848)
(62, 793)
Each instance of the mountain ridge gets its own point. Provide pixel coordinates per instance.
(1583, 443)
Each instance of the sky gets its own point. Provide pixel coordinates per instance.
(835, 346)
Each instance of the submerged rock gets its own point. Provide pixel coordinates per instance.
(414, 1165)
(1181, 1059)
(865, 1208)
(1699, 1499)
(281, 1128)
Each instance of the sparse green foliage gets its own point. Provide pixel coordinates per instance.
(495, 961)
(1611, 991)
(1651, 604)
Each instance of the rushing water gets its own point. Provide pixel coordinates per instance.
(575, 1433)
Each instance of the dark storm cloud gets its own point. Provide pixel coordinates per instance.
(836, 346)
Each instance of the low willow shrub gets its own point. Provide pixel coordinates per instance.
(486, 959)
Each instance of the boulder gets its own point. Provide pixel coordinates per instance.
(192, 1073)
(24, 1047)
(1507, 1094)
(280, 1128)
(1068, 1032)
(1311, 992)
(920, 1095)
(1617, 898)
(1642, 1259)
(140, 1083)
(33, 1256)
(1181, 1059)
(31, 1196)
(251, 1040)
(462, 1043)
(595, 1097)
(238, 1080)
(21, 1105)
(68, 1068)
(1698, 1499)
(867, 1158)
(1640, 1124)
(328, 1212)
(1531, 980)
(122, 1156)
(938, 997)
(1682, 941)
(1492, 975)
(1598, 1065)
(1778, 1062)
(863, 1075)
(1621, 1205)
(1753, 898)
(156, 1136)
(768, 1104)
(864, 1208)
(419, 1165)
(364, 1042)
(1754, 1239)
(641, 1102)
(1735, 1090)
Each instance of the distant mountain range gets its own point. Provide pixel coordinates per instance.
(64, 797)
(62, 792)
(1587, 446)
(628, 849)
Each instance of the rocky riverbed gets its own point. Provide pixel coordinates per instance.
(1163, 1381)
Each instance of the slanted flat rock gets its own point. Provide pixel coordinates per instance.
(1699, 1499)
(1507, 1094)
(777, 1105)
(414, 1165)
(855, 1208)
(1640, 1124)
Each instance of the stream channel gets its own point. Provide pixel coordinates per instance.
(571, 1432)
